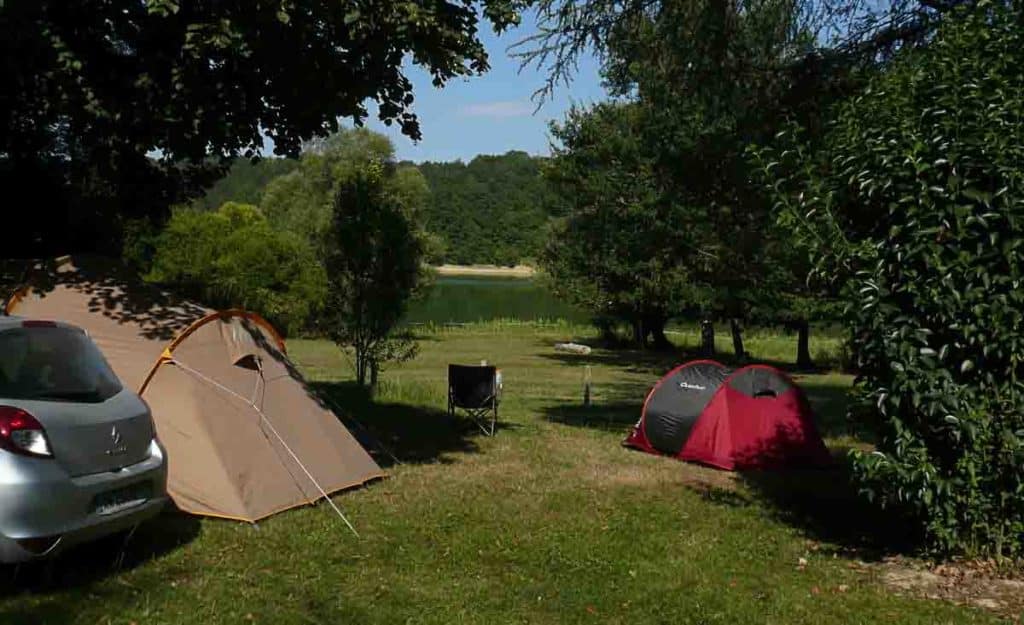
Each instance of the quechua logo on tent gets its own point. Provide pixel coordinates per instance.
(692, 387)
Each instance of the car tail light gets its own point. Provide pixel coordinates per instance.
(38, 323)
(21, 433)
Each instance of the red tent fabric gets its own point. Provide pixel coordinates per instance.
(753, 418)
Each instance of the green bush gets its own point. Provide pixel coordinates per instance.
(234, 258)
(917, 197)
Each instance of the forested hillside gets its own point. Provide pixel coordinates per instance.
(245, 182)
(492, 210)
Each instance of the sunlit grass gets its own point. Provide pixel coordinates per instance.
(550, 521)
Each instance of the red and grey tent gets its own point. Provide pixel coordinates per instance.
(752, 418)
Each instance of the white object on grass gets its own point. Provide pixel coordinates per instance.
(572, 348)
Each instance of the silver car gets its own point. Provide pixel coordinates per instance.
(79, 458)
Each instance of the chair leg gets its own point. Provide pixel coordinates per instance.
(479, 417)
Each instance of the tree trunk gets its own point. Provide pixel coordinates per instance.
(737, 339)
(360, 366)
(607, 329)
(803, 347)
(374, 370)
(638, 333)
(655, 328)
(707, 338)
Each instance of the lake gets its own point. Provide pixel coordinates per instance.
(464, 299)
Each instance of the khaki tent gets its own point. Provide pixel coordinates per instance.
(245, 437)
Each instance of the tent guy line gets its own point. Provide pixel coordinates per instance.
(263, 417)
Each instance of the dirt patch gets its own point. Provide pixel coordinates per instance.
(981, 584)
(599, 464)
(653, 471)
(698, 478)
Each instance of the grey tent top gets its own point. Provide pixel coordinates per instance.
(673, 406)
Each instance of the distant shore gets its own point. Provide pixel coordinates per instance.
(519, 271)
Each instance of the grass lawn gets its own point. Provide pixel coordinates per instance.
(550, 521)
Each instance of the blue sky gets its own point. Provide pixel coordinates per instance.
(493, 113)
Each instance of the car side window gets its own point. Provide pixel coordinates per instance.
(13, 351)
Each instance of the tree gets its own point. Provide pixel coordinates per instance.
(914, 203)
(624, 251)
(360, 214)
(301, 201)
(113, 111)
(232, 257)
(791, 294)
(294, 202)
(373, 262)
(699, 77)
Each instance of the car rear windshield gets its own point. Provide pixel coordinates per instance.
(55, 364)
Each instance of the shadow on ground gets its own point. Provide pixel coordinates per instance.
(823, 504)
(397, 431)
(830, 403)
(632, 360)
(84, 565)
(829, 400)
(661, 360)
(622, 403)
(616, 416)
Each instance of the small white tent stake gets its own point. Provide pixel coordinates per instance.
(273, 430)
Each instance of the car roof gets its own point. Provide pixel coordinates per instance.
(9, 321)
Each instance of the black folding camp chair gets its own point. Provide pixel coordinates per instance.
(474, 389)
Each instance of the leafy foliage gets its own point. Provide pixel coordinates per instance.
(713, 78)
(244, 182)
(118, 110)
(831, 36)
(703, 81)
(916, 197)
(13, 274)
(301, 200)
(298, 260)
(234, 258)
(492, 210)
(624, 251)
(373, 259)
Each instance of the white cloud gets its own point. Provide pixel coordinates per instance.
(498, 110)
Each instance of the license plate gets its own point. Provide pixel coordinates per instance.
(113, 501)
